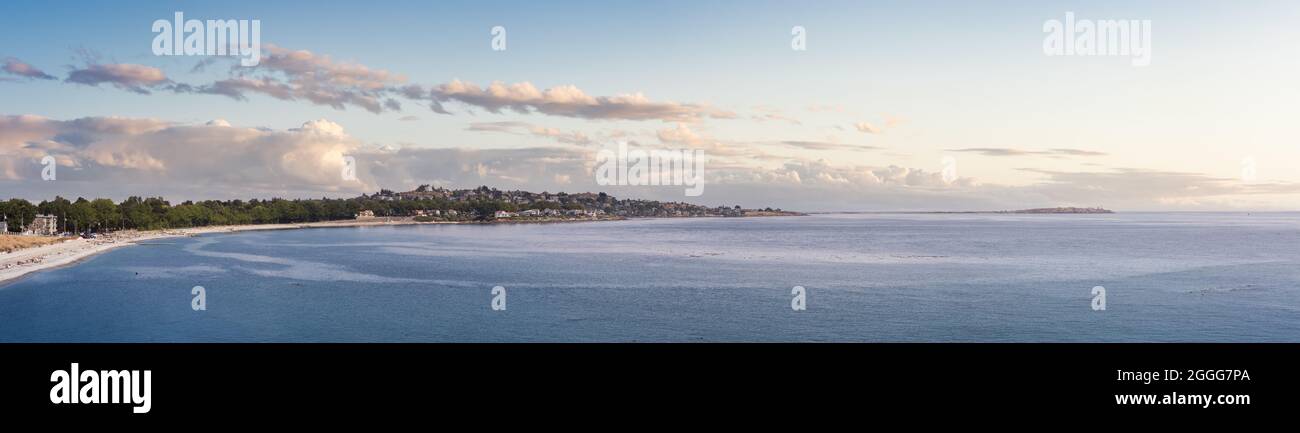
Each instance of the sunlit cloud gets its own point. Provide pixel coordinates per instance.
(130, 77)
(18, 67)
(567, 101)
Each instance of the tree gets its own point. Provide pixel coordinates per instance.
(82, 215)
(153, 213)
(106, 213)
(20, 213)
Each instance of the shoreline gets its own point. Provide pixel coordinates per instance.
(20, 263)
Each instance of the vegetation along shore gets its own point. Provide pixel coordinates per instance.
(59, 232)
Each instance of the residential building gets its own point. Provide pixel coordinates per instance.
(43, 225)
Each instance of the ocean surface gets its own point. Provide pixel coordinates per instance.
(872, 278)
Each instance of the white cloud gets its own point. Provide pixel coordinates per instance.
(866, 127)
(567, 101)
(216, 155)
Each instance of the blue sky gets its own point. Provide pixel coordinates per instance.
(884, 92)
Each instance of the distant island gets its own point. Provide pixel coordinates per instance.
(1062, 210)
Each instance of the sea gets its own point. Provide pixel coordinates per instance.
(1124, 277)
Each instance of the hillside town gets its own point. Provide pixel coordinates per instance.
(490, 203)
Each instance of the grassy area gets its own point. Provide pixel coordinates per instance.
(10, 243)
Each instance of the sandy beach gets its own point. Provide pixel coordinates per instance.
(14, 265)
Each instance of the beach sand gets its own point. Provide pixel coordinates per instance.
(21, 262)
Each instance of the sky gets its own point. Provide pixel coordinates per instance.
(889, 105)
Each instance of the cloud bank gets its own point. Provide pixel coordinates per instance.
(1002, 151)
(116, 156)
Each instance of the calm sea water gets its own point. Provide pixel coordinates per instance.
(884, 277)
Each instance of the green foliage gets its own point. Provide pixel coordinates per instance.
(18, 212)
(152, 213)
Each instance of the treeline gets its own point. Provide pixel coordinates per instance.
(153, 213)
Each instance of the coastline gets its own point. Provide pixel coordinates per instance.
(20, 263)
(17, 264)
